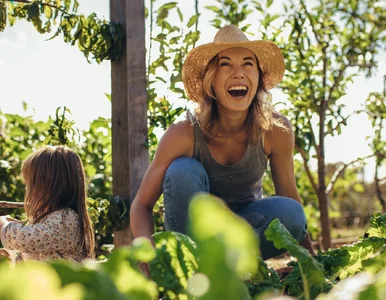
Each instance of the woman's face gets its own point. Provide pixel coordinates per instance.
(236, 79)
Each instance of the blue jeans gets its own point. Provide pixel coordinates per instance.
(186, 177)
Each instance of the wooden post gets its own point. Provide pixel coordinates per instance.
(129, 106)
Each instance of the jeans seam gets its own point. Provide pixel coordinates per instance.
(170, 206)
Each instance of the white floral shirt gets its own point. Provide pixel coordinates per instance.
(55, 236)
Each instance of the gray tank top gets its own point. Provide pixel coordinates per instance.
(238, 183)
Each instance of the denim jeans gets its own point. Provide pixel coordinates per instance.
(186, 177)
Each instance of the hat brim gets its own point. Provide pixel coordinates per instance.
(271, 62)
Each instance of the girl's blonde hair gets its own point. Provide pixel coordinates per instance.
(54, 178)
(260, 113)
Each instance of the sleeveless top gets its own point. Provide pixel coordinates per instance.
(235, 184)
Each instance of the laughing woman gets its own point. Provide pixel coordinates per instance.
(225, 146)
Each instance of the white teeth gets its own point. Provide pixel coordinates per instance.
(237, 88)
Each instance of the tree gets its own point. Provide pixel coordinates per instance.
(376, 109)
(325, 44)
(328, 44)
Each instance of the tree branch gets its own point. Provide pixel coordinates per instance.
(307, 168)
(311, 22)
(336, 81)
(64, 12)
(340, 170)
(303, 59)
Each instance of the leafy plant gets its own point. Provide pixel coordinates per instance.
(220, 262)
(99, 38)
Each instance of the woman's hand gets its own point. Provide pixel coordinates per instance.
(144, 267)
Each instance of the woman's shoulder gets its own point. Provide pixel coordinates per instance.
(178, 140)
(281, 122)
(181, 130)
(280, 135)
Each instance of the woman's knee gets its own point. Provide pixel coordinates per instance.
(295, 222)
(185, 170)
(289, 212)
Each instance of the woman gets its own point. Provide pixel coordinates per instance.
(224, 148)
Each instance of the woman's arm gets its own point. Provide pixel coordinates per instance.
(176, 142)
(282, 143)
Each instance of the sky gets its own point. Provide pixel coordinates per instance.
(49, 74)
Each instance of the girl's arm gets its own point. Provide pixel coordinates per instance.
(51, 235)
(176, 142)
(282, 143)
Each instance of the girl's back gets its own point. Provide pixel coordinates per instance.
(55, 236)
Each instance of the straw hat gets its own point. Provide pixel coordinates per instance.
(271, 60)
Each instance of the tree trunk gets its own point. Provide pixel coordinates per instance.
(322, 190)
(324, 219)
(378, 189)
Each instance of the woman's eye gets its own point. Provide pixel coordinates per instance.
(249, 63)
(224, 64)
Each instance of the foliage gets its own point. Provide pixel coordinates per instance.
(173, 41)
(20, 136)
(99, 38)
(214, 264)
(376, 110)
(326, 40)
(311, 271)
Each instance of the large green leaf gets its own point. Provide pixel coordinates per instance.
(228, 249)
(35, 281)
(311, 270)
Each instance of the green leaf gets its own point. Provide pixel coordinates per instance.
(108, 96)
(169, 5)
(33, 10)
(39, 281)
(213, 8)
(3, 16)
(192, 21)
(377, 226)
(311, 270)
(97, 285)
(47, 11)
(228, 247)
(181, 16)
(176, 261)
(122, 269)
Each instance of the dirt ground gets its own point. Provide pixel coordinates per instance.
(279, 262)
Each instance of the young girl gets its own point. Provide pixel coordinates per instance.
(55, 203)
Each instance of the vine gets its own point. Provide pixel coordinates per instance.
(100, 39)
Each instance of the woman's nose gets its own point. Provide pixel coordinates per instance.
(238, 73)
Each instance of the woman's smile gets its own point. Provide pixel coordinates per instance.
(238, 91)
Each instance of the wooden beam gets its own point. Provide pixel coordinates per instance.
(129, 105)
(7, 204)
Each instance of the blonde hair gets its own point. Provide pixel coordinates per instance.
(260, 113)
(54, 178)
